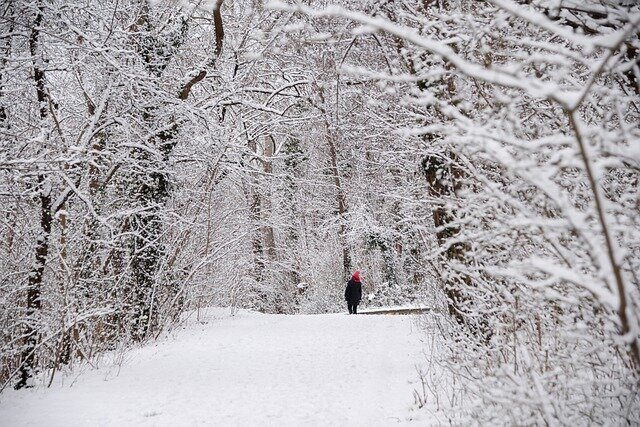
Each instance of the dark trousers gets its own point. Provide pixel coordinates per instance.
(353, 307)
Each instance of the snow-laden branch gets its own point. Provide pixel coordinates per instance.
(588, 43)
(568, 98)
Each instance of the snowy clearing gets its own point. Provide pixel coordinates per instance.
(249, 369)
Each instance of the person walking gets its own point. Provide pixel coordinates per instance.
(353, 293)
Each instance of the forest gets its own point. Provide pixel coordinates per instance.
(158, 157)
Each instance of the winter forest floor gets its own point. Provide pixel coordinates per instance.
(247, 369)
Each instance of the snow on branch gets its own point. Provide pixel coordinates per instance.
(568, 98)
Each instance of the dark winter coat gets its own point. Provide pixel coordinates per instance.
(353, 293)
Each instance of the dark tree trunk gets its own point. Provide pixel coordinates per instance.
(151, 195)
(151, 186)
(442, 177)
(147, 255)
(34, 284)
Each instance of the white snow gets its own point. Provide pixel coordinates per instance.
(249, 369)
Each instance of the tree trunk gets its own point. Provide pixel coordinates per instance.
(151, 188)
(267, 228)
(255, 212)
(340, 196)
(442, 176)
(342, 206)
(34, 285)
(34, 304)
(151, 192)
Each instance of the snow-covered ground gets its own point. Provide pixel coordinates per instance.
(248, 370)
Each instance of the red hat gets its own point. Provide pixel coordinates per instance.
(356, 276)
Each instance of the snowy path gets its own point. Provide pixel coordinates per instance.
(246, 370)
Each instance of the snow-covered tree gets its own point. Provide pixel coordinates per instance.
(525, 123)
